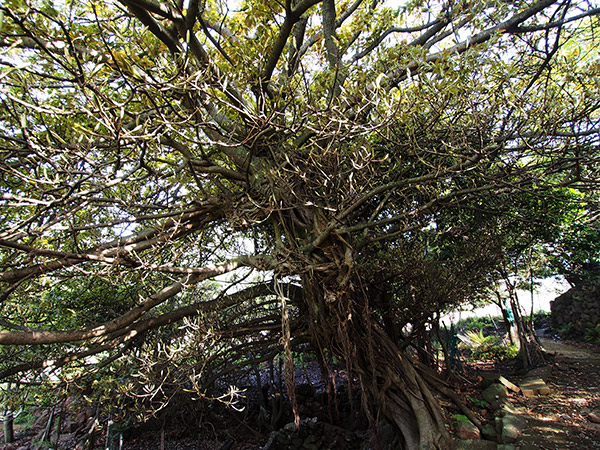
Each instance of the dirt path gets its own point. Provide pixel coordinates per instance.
(561, 420)
(573, 351)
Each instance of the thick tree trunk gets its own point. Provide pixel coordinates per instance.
(342, 325)
(400, 393)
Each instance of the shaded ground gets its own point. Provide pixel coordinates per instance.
(561, 420)
(555, 422)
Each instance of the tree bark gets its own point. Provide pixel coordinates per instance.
(391, 386)
(9, 435)
(531, 351)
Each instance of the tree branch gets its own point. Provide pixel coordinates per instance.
(508, 26)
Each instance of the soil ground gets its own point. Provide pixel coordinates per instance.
(558, 421)
(561, 420)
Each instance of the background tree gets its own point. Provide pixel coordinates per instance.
(150, 146)
(576, 253)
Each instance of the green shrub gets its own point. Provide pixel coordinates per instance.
(25, 419)
(592, 333)
(489, 347)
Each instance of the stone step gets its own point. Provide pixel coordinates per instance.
(534, 386)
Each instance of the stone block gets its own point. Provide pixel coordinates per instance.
(489, 432)
(513, 387)
(488, 379)
(531, 387)
(510, 434)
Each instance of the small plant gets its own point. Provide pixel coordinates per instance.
(592, 333)
(567, 330)
(479, 403)
(488, 347)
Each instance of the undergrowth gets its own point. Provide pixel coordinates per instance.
(488, 347)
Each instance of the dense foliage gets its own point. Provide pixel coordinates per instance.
(191, 186)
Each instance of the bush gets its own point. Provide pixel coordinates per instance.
(592, 333)
(488, 347)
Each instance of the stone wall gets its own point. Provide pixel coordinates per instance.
(575, 311)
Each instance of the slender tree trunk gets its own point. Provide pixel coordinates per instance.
(59, 420)
(9, 435)
(532, 353)
(507, 317)
(48, 430)
(444, 346)
(110, 435)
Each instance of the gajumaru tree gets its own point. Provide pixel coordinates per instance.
(149, 146)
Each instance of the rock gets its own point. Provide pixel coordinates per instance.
(487, 379)
(510, 434)
(489, 432)
(512, 428)
(494, 392)
(290, 427)
(593, 417)
(465, 429)
(475, 444)
(499, 404)
(576, 309)
(505, 447)
(498, 425)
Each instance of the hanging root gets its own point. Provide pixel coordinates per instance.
(288, 371)
(442, 387)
